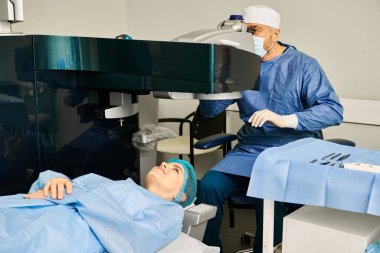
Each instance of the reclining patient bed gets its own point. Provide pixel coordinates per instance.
(194, 225)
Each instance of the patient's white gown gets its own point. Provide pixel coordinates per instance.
(100, 215)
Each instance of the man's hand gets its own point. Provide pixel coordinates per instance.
(55, 187)
(259, 118)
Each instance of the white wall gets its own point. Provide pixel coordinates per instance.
(362, 123)
(340, 34)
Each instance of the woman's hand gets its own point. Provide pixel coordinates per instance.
(55, 187)
(35, 195)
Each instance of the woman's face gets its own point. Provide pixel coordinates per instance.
(166, 180)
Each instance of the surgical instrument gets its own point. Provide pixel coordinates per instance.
(343, 157)
(335, 156)
(328, 156)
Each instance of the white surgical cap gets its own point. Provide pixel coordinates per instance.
(262, 14)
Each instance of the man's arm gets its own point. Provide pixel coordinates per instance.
(211, 108)
(324, 108)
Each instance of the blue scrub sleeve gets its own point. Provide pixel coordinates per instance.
(43, 178)
(323, 106)
(373, 247)
(211, 108)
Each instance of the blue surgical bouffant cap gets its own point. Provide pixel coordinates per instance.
(189, 186)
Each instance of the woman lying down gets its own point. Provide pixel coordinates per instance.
(95, 214)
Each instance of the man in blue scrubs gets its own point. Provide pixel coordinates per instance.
(295, 100)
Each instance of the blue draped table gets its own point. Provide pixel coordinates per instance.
(286, 174)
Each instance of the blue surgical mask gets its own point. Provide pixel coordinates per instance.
(258, 42)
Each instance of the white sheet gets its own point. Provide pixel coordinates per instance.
(187, 244)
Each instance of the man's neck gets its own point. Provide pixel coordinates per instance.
(275, 51)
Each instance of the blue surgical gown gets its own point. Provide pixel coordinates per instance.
(100, 215)
(291, 83)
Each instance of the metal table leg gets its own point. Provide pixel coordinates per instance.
(268, 226)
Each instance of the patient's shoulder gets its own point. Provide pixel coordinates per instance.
(91, 181)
